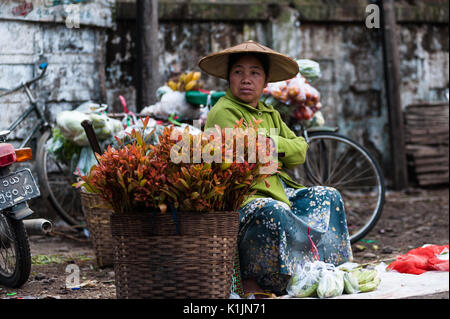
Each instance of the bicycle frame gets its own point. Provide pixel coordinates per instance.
(42, 121)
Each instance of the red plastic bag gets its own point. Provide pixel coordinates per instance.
(422, 259)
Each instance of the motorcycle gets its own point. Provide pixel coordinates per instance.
(17, 187)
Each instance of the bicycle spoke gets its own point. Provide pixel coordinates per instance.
(338, 162)
(343, 167)
(359, 188)
(337, 168)
(59, 180)
(316, 164)
(332, 159)
(343, 181)
(335, 164)
(64, 172)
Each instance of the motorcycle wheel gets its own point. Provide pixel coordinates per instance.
(15, 257)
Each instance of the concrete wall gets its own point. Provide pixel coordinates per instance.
(75, 58)
(97, 61)
(75, 51)
(75, 54)
(333, 33)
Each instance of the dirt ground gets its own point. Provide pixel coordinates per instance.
(410, 219)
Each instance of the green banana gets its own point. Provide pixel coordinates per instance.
(370, 286)
(364, 276)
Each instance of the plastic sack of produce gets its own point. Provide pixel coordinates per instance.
(104, 126)
(297, 90)
(297, 93)
(351, 285)
(161, 91)
(63, 149)
(302, 93)
(172, 102)
(69, 122)
(91, 107)
(316, 120)
(278, 90)
(309, 69)
(86, 160)
(312, 95)
(422, 259)
(331, 283)
(305, 280)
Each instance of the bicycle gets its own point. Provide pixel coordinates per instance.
(55, 178)
(337, 161)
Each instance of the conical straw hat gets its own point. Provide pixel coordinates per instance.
(281, 66)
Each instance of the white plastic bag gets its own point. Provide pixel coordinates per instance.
(104, 126)
(69, 122)
(90, 107)
(305, 280)
(162, 90)
(331, 284)
(86, 161)
(309, 69)
(173, 102)
(351, 285)
(149, 137)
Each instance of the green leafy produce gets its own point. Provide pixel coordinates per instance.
(331, 284)
(69, 123)
(61, 148)
(299, 287)
(351, 285)
(48, 259)
(309, 69)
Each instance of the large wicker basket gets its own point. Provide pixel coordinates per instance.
(98, 215)
(152, 261)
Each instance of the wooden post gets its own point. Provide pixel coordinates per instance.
(147, 53)
(393, 93)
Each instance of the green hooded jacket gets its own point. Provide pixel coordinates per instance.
(229, 109)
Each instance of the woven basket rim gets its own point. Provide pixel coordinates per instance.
(149, 211)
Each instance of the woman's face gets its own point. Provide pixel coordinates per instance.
(247, 79)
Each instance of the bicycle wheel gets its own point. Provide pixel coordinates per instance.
(56, 179)
(337, 161)
(15, 257)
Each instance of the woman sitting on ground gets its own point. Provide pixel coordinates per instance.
(279, 223)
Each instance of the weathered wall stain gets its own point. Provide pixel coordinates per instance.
(89, 12)
(22, 9)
